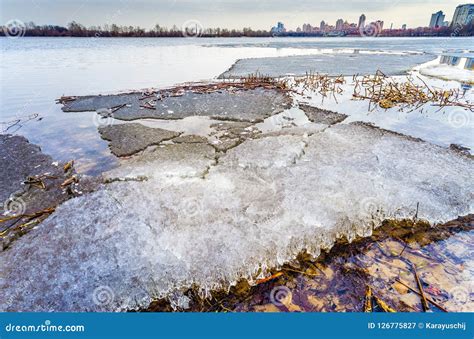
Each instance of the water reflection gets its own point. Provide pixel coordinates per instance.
(466, 62)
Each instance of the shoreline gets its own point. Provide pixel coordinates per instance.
(313, 284)
(308, 284)
(199, 178)
(245, 37)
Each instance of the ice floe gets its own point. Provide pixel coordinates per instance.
(457, 68)
(347, 64)
(440, 125)
(209, 222)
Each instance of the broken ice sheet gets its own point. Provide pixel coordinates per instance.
(439, 125)
(139, 240)
(127, 139)
(243, 105)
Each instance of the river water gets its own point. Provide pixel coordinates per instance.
(36, 71)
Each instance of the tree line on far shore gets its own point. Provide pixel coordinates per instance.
(75, 29)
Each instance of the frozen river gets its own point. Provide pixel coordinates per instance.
(209, 205)
(36, 71)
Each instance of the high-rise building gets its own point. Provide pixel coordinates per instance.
(379, 24)
(404, 26)
(279, 28)
(307, 28)
(437, 19)
(463, 15)
(322, 26)
(340, 25)
(361, 21)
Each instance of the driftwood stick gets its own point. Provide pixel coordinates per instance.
(28, 216)
(424, 303)
(428, 299)
(116, 108)
(146, 97)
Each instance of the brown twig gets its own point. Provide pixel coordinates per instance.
(383, 92)
(65, 99)
(68, 166)
(415, 218)
(116, 108)
(147, 96)
(28, 216)
(424, 303)
(35, 181)
(428, 299)
(274, 276)
(69, 181)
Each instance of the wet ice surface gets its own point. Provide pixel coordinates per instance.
(440, 125)
(32, 184)
(242, 105)
(322, 116)
(171, 161)
(206, 221)
(19, 158)
(127, 139)
(347, 64)
(193, 125)
(289, 118)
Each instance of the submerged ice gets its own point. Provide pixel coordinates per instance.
(204, 220)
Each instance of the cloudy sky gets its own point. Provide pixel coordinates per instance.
(223, 13)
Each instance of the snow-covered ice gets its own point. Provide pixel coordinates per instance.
(255, 207)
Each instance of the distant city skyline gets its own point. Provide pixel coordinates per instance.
(225, 13)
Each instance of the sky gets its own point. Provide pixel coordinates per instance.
(257, 14)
